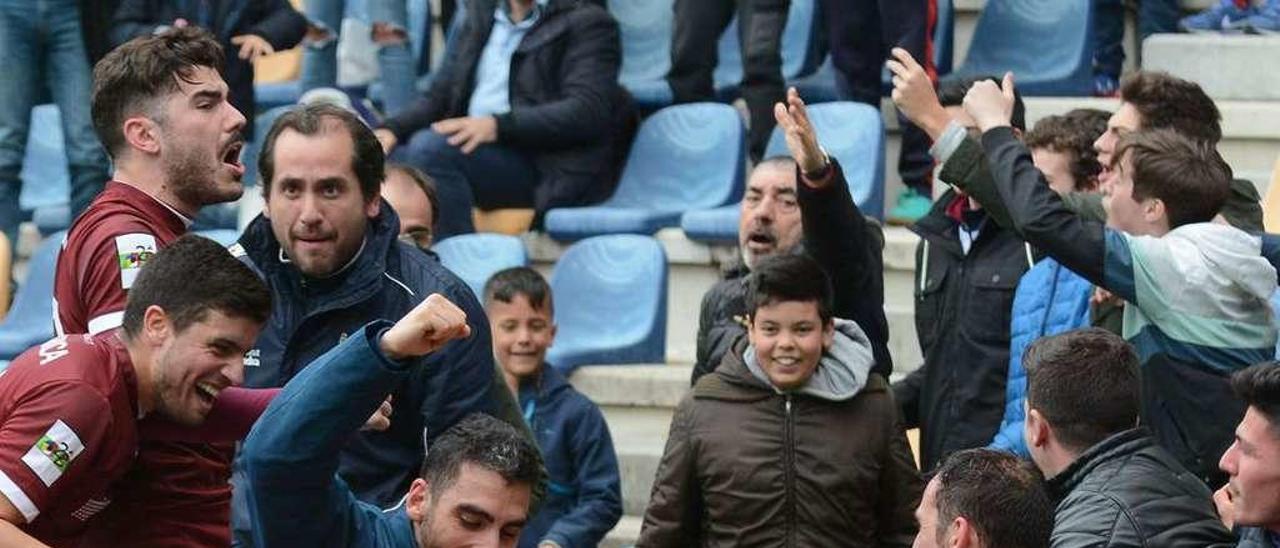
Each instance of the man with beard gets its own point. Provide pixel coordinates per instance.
(160, 109)
(777, 217)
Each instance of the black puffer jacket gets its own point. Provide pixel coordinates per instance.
(1127, 491)
(567, 108)
(846, 244)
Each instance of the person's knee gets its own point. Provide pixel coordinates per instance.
(430, 148)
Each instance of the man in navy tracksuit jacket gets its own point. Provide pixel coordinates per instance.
(290, 458)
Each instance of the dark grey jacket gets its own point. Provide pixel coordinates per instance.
(567, 108)
(1257, 537)
(846, 244)
(1128, 492)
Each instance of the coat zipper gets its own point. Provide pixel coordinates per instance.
(789, 461)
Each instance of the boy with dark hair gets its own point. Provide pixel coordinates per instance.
(1251, 499)
(967, 268)
(984, 499)
(796, 404)
(69, 410)
(1050, 299)
(1198, 291)
(584, 499)
(1114, 486)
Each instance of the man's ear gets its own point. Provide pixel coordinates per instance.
(1154, 210)
(156, 327)
(963, 535)
(1037, 429)
(416, 500)
(1017, 133)
(372, 207)
(142, 134)
(828, 334)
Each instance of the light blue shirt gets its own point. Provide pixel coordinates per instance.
(493, 74)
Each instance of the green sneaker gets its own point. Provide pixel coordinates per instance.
(911, 207)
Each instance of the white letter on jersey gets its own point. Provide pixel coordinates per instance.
(53, 349)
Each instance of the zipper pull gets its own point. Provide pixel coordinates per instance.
(788, 404)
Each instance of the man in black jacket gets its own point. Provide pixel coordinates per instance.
(525, 112)
(1251, 499)
(1113, 484)
(819, 217)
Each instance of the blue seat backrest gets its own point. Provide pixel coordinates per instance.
(45, 178)
(224, 236)
(799, 54)
(852, 133)
(610, 301)
(684, 157)
(646, 27)
(1275, 316)
(1039, 40)
(477, 257)
(30, 319)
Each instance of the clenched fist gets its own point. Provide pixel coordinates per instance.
(426, 328)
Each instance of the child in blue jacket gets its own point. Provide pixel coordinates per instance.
(584, 495)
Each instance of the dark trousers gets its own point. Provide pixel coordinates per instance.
(698, 26)
(860, 34)
(491, 177)
(1154, 16)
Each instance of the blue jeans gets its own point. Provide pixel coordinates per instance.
(491, 177)
(44, 48)
(396, 62)
(1154, 16)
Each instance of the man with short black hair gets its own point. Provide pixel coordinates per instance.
(980, 498)
(70, 409)
(1113, 485)
(1198, 291)
(330, 252)
(1252, 496)
(475, 485)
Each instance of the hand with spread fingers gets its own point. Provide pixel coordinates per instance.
(252, 46)
(429, 326)
(802, 140)
(914, 94)
(990, 105)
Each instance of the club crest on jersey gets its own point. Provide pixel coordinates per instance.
(53, 453)
(133, 251)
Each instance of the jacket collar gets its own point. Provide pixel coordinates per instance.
(1114, 447)
(353, 283)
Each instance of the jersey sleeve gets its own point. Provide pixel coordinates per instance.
(108, 269)
(50, 442)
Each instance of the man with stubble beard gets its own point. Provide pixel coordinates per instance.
(160, 109)
(818, 217)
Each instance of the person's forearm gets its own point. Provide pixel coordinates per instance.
(13, 537)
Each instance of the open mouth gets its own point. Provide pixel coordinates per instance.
(207, 392)
(761, 239)
(231, 157)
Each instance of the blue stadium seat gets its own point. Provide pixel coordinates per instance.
(476, 257)
(822, 86)
(684, 157)
(30, 320)
(276, 94)
(610, 303)
(224, 236)
(46, 181)
(852, 133)
(801, 53)
(1048, 44)
(1275, 308)
(646, 27)
(261, 125)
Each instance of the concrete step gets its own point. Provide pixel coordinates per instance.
(624, 534)
(1228, 67)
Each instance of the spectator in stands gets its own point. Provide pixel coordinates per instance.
(389, 19)
(160, 108)
(1050, 299)
(818, 217)
(475, 485)
(1252, 497)
(413, 197)
(71, 407)
(861, 34)
(250, 28)
(542, 129)
(1235, 16)
(967, 268)
(797, 404)
(331, 256)
(698, 26)
(44, 50)
(1113, 485)
(1165, 191)
(1154, 16)
(585, 493)
(984, 499)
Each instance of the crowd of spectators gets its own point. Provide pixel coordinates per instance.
(1092, 301)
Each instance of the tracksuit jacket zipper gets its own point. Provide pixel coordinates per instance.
(789, 459)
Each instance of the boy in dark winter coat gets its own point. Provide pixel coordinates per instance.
(584, 495)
